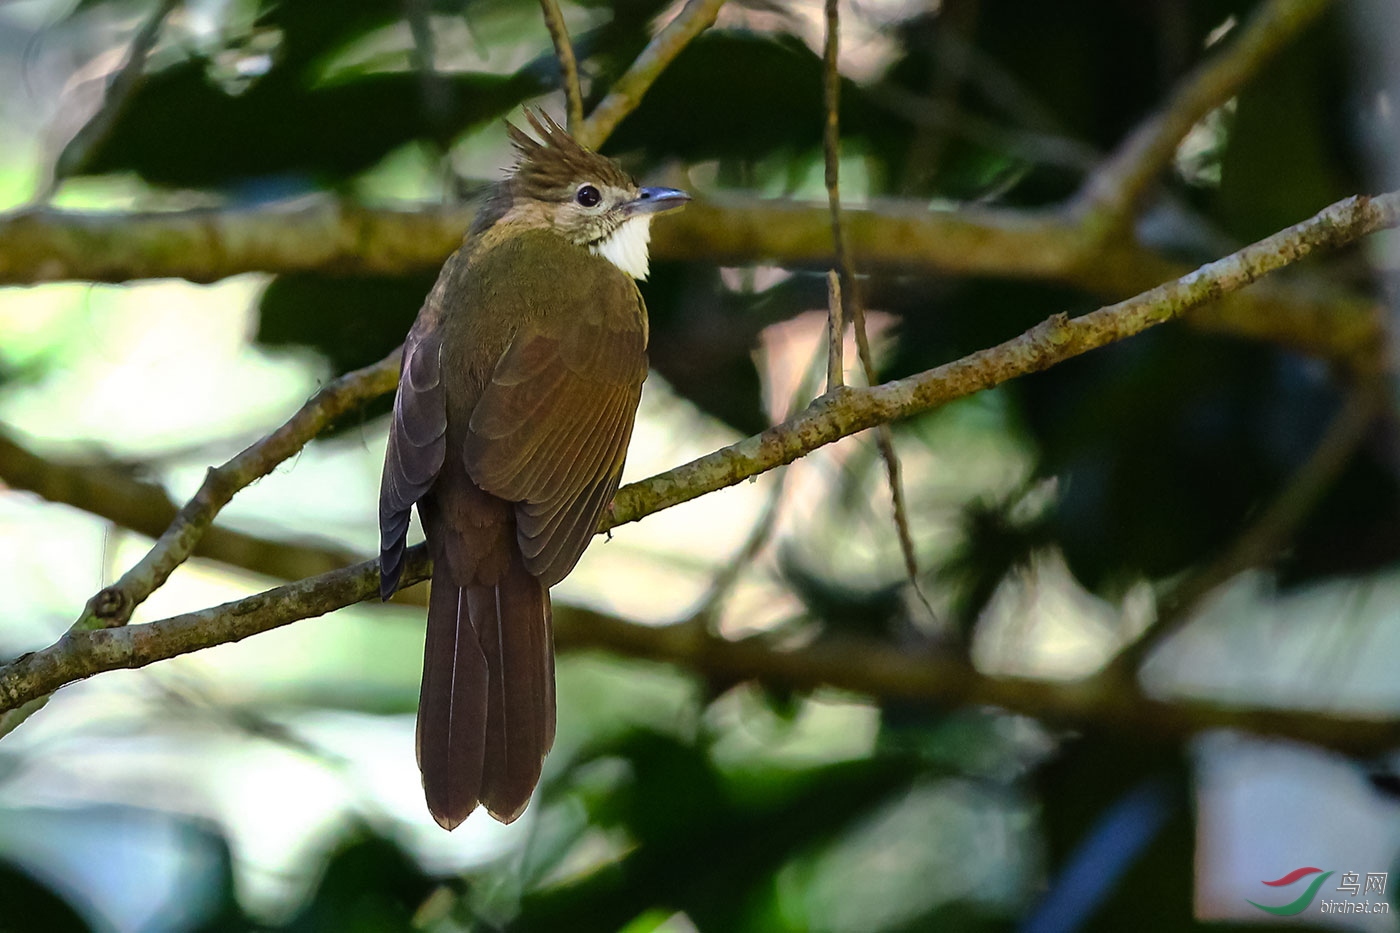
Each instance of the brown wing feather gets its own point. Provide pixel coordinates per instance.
(513, 465)
(553, 540)
(550, 429)
(560, 467)
(602, 450)
(417, 448)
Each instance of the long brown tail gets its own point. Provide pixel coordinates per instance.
(486, 713)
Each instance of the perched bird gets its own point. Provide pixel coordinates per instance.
(517, 393)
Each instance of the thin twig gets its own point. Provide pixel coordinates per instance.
(831, 154)
(568, 65)
(1109, 196)
(119, 90)
(884, 439)
(848, 293)
(831, 133)
(627, 91)
(838, 298)
(81, 654)
(434, 91)
(835, 333)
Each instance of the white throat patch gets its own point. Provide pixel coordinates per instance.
(626, 247)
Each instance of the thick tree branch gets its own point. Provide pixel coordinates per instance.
(113, 605)
(336, 238)
(889, 672)
(627, 91)
(1113, 190)
(837, 415)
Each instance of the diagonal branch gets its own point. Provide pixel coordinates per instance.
(113, 605)
(627, 91)
(81, 653)
(568, 65)
(1114, 190)
(1044, 345)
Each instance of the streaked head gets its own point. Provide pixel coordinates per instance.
(585, 197)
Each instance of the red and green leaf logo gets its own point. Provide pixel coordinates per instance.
(1304, 900)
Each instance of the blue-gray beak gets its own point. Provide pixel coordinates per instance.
(657, 201)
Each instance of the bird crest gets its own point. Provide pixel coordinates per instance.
(552, 166)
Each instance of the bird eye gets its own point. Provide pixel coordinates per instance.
(588, 196)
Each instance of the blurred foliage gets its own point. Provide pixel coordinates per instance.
(685, 857)
(1160, 448)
